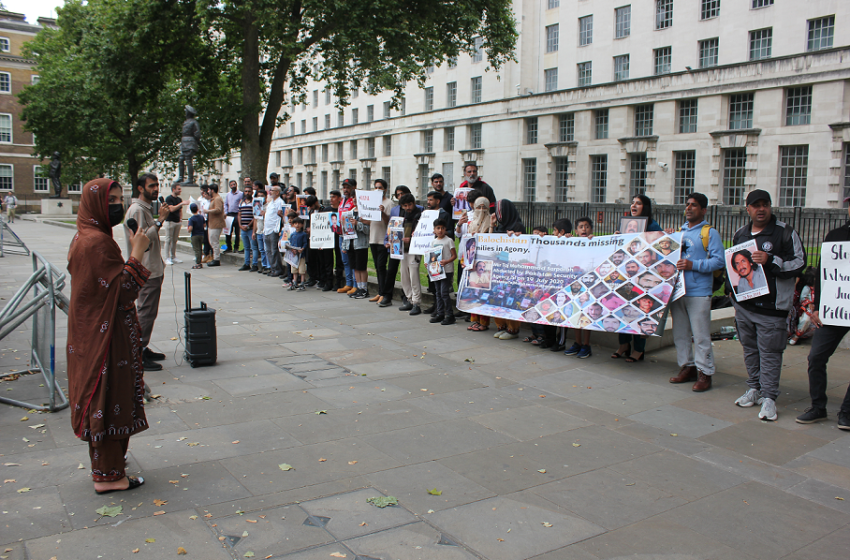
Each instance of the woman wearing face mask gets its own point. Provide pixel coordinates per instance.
(105, 373)
(480, 223)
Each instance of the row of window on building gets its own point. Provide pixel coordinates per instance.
(40, 180)
(6, 81)
(820, 36)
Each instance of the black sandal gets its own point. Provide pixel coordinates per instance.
(632, 360)
(134, 483)
(618, 355)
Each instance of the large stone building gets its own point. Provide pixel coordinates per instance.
(608, 99)
(20, 172)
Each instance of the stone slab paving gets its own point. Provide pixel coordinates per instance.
(535, 455)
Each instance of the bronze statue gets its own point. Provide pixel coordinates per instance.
(189, 146)
(55, 174)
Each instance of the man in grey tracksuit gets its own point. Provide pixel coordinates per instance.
(762, 320)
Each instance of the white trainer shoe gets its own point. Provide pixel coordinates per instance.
(169, 261)
(176, 261)
(750, 398)
(768, 410)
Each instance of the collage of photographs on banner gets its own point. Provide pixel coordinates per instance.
(615, 283)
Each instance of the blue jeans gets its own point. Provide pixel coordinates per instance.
(349, 272)
(262, 248)
(250, 246)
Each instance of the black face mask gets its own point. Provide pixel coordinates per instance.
(116, 214)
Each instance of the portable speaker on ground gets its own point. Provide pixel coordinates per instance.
(199, 331)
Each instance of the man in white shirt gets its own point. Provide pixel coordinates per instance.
(271, 230)
(10, 202)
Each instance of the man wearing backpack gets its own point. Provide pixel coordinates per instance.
(702, 255)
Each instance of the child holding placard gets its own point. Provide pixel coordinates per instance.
(443, 288)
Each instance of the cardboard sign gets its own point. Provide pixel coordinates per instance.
(321, 235)
(368, 203)
(835, 284)
(423, 237)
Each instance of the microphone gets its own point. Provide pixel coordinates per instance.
(161, 200)
(133, 225)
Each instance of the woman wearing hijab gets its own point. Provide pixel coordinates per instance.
(105, 373)
(480, 223)
(641, 206)
(507, 220)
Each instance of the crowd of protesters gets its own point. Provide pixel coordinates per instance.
(762, 322)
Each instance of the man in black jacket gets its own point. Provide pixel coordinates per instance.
(762, 320)
(824, 344)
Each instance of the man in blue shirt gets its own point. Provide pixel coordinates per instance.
(692, 312)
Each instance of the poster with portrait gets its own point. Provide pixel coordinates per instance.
(348, 231)
(467, 251)
(301, 204)
(368, 204)
(291, 256)
(284, 238)
(632, 224)
(432, 264)
(461, 204)
(745, 276)
(835, 284)
(257, 207)
(423, 237)
(321, 235)
(574, 282)
(395, 237)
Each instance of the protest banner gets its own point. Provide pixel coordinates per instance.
(461, 204)
(321, 236)
(348, 231)
(368, 203)
(423, 237)
(575, 282)
(433, 267)
(746, 277)
(395, 235)
(835, 284)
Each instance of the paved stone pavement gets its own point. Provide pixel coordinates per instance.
(537, 455)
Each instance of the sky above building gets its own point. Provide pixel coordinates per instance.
(34, 9)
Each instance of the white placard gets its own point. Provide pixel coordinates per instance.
(291, 256)
(321, 236)
(423, 237)
(228, 223)
(746, 277)
(368, 203)
(835, 284)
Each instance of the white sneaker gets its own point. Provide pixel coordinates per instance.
(176, 261)
(768, 410)
(750, 398)
(169, 261)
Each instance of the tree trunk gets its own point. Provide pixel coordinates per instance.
(255, 155)
(133, 168)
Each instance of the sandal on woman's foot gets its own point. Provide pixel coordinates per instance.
(473, 326)
(133, 484)
(481, 328)
(617, 355)
(197, 266)
(632, 359)
(538, 341)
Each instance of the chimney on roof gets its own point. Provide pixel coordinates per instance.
(13, 16)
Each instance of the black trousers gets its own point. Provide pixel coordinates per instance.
(313, 264)
(339, 269)
(325, 267)
(824, 344)
(380, 256)
(389, 279)
(207, 247)
(442, 301)
(229, 236)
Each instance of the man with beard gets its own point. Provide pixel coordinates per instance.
(473, 181)
(231, 209)
(147, 307)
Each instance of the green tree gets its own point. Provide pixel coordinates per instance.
(113, 80)
(274, 46)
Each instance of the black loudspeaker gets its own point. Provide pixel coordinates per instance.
(199, 331)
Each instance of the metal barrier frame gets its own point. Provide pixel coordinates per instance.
(46, 284)
(18, 247)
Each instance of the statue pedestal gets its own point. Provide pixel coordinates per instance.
(56, 207)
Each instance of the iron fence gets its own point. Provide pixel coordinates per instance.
(812, 224)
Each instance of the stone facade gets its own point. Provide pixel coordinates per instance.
(626, 134)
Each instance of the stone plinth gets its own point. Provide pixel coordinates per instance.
(56, 207)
